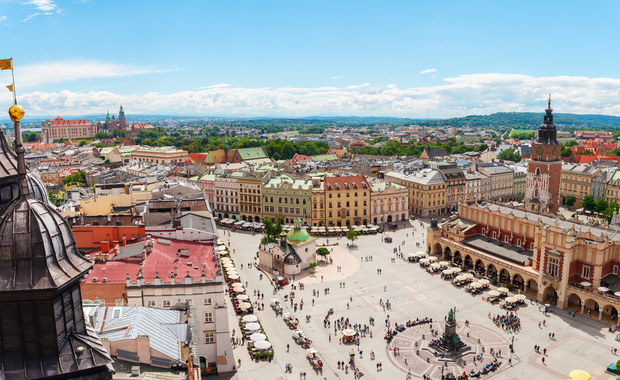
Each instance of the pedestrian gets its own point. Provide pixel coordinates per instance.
(287, 347)
(544, 351)
(543, 360)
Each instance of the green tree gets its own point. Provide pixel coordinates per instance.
(352, 235)
(570, 144)
(79, 177)
(31, 136)
(509, 155)
(608, 213)
(588, 202)
(601, 205)
(570, 200)
(272, 230)
(566, 152)
(323, 252)
(82, 143)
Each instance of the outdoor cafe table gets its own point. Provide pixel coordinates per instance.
(484, 281)
(244, 306)
(456, 270)
(249, 319)
(432, 259)
(444, 263)
(256, 337)
(511, 300)
(493, 293)
(503, 290)
(252, 326)
(243, 297)
(262, 345)
(520, 297)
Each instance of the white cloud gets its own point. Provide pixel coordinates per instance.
(70, 70)
(31, 16)
(336, 77)
(219, 85)
(42, 5)
(428, 71)
(3, 20)
(456, 96)
(352, 87)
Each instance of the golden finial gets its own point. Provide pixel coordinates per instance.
(16, 112)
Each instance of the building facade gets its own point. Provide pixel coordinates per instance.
(389, 202)
(159, 155)
(455, 181)
(576, 180)
(501, 181)
(226, 195)
(427, 191)
(60, 128)
(544, 170)
(250, 196)
(288, 198)
(347, 200)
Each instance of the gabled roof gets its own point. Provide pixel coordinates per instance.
(252, 153)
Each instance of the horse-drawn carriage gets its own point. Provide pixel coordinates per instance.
(314, 358)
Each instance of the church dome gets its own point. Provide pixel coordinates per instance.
(298, 233)
(37, 248)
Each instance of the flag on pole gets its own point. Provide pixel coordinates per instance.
(6, 64)
(10, 87)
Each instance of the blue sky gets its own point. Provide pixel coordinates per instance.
(301, 58)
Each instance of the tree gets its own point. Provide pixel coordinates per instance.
(566, 152)
(352, 235)
(608, 213)
(601, 205)
(509, 155)
(323, 252)
(82, 143)
(588, 202)
(79, 177)
(570, 200)
(272, 230)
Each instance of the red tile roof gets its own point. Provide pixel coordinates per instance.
(198, 157)
(60, 122)
(162, 260)
(341, 183)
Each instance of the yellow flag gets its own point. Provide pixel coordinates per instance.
(10, 87)
(6, 64)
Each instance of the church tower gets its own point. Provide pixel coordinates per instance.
(542, 191)
(122, 122)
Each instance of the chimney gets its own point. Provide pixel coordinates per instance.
(124, 241)
(105, 246)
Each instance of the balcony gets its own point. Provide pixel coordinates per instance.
(549, 278)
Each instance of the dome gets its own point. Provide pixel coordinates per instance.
(37, 189)
(39, 247)
(300, 235)
(292, 259)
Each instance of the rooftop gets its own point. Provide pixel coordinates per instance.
(497, 248)
(161, 261)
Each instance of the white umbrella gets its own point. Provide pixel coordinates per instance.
(617, 294)
(586, 284)
(444, 263)
(456, 270)
(460, 278)
(262, 345)
(412, 255)
(256, 337)
(233, 277)
(502, 290)
(424, 261)
(244, 306)
(603, 289)
(220, 241)
(249, 319)
(447, 271)
(432, 259)
(468, 276)
(221, 247)
(228, 266)
(243, 297)
(253, 326)
(520, 297)
(274, 301)
(476, 285)
(348, 332)
(493, 293)
(435, 266)
(510, 299)
(484, 281)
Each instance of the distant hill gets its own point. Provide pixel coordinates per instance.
(528, 120)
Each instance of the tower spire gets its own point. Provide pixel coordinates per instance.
(549, 103)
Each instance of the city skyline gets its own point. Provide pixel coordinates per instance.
(296, 60)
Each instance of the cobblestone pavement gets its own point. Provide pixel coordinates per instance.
(581, 342)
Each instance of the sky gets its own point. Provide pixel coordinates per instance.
(290, 58)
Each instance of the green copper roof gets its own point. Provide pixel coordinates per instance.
(300, 235)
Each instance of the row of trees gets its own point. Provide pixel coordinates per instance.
(395, 148)
(602, 206)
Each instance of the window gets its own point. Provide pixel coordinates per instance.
(506, 238)
(615, 270)
(207, 301)
(586, 271)
(166, 303)
(150, 303)
(553, 266)
(484, 231)
(209, 337)
(494, 235)
(208, 317)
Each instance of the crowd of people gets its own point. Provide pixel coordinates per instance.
(509, 322)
